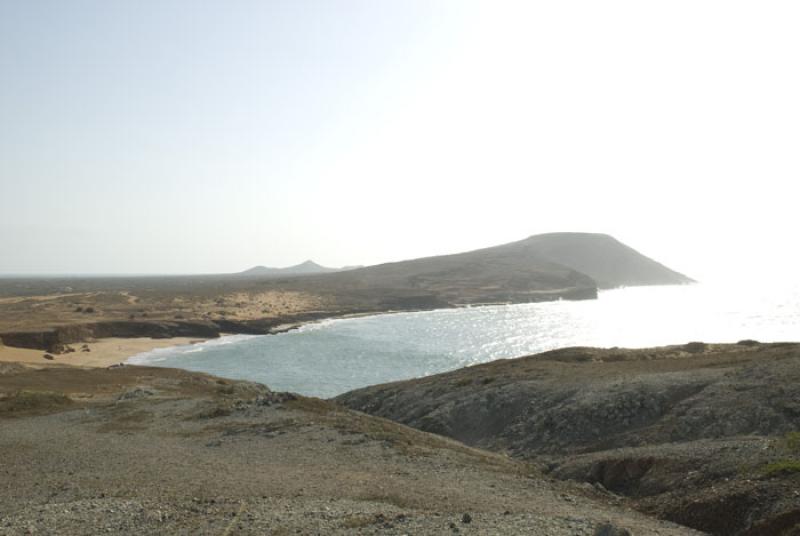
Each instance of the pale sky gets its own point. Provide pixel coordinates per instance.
(194, 137)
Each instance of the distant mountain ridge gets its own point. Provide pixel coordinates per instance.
(307, 267)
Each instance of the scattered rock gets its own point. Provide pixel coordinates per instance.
(135, 394)
(57, 348)
(609, 529)
(276, 398)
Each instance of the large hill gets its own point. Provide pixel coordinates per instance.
(603, 258)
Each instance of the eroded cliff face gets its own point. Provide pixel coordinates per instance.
(666, 426)
(55, 340)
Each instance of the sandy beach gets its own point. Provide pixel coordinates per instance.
(102, 353)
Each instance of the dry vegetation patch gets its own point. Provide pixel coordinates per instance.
(29, 401)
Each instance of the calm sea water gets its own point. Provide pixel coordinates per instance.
(335, 356)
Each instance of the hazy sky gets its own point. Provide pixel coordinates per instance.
(171, 136)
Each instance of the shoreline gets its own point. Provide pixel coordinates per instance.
(53, 339)
(107, 351)
(102, 353)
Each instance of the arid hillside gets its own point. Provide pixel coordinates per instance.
(701, 434)
(139, 451)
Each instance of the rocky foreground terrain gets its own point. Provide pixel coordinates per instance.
(704, 435)
(135, 450)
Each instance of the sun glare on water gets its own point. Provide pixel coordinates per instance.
(334, 356)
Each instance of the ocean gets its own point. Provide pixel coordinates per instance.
(330, 357)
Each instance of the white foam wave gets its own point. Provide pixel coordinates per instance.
(161, 354)
(314, 326)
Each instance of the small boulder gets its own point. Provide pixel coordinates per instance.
(48, 357)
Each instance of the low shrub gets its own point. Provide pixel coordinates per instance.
(782, 467)
(793, 441)
(27, 401)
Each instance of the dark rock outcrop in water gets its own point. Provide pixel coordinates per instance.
(704, 435)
